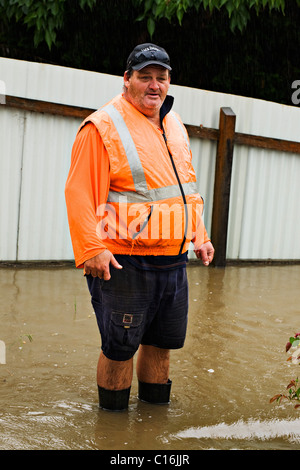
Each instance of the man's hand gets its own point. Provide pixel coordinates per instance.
(206, 253)
(98, 266)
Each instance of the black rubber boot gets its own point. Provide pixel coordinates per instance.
(113, 400)
(155, 393)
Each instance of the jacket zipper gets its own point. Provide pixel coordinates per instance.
(143, 224)
(181, 190)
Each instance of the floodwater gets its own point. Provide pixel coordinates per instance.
(233, 362)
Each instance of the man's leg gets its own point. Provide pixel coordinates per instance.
(114, 375)
(120, 320)
(114, 383)
(153, 374)
(153, 364)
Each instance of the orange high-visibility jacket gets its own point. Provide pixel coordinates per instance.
(153, 206)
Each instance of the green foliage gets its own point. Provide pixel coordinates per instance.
(238, 11)
(293, 393)
(293, 387)
(45, 16)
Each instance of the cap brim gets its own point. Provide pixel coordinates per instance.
(150, 62)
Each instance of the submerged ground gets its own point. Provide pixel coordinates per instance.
(233, 362)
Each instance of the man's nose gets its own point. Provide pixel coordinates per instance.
(154, 84)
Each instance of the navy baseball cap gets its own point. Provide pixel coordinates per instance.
(148, 54)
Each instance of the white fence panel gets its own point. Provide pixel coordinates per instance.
(43, 228)
(11, 154)
(264, 220)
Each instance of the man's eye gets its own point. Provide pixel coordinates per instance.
(159, 79)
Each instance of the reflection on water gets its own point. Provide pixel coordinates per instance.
(240, 319)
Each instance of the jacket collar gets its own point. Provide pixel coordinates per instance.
(166, 107)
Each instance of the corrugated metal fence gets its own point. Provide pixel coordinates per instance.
(36, 138)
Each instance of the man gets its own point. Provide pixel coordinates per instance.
(133, 209)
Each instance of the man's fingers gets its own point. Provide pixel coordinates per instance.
(99, 266)
(206, 253)
(115, 263)
(106, 271)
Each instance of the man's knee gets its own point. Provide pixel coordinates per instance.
(114, 375)
(153, 364)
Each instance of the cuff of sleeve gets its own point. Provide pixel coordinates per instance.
(80, 262)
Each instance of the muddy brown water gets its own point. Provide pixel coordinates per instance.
(234, 360)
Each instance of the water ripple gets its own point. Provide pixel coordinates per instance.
(252, 429)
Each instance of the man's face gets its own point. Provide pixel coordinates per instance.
(147, 88)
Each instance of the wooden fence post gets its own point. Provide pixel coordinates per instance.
(222, 185)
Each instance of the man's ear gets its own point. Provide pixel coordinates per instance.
(126, 78)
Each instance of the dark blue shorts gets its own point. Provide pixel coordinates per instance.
(140, 307)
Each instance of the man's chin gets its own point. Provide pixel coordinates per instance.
(153, 105)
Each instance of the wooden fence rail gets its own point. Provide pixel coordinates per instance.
(226, 139)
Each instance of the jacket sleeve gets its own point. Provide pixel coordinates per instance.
(201, 237)
(86, 189)
(200, 233)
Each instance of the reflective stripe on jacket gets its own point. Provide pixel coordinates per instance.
(153, 205)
